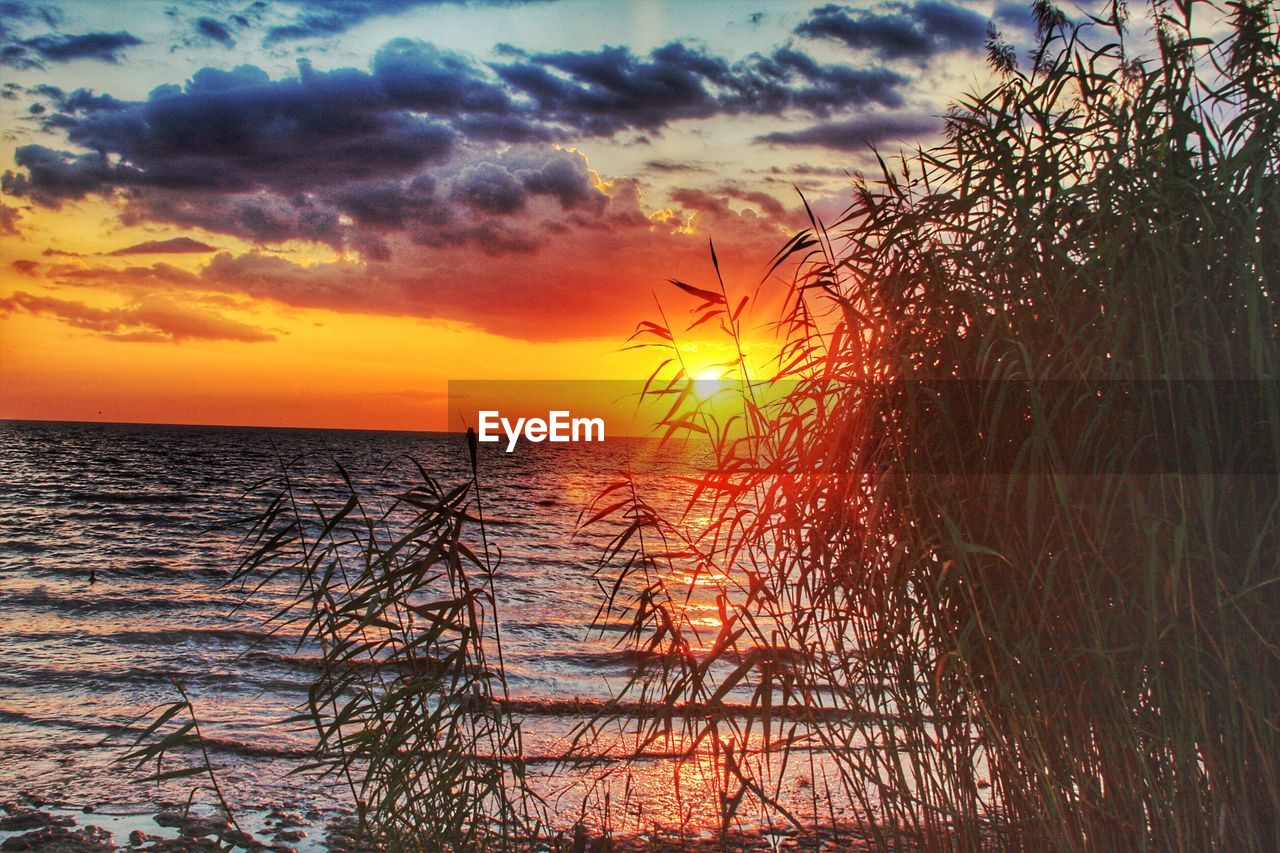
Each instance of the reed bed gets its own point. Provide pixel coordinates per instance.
(999, 536)
(1018, 502)
(408, 702)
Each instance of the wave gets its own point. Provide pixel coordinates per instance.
(21, 546)
(123, 734)
(78, 605)
(110, 497)
(178, 635)
(592, 660)
(222, 675)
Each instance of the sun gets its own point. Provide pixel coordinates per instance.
(708, 382)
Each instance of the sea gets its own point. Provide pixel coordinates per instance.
(154, 515)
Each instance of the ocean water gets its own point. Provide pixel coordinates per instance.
(140, 507)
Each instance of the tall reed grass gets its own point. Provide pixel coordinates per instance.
(999, 538)
(407, 703)
(1017, 510)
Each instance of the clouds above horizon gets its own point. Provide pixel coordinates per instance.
(861, 132)
(238, 129)
(173, 246)
(427, 143)
(895, 30)
(150, 319)
(215, 30)
(578, 277)
(34, 52)
(51, 46)
(443, 184)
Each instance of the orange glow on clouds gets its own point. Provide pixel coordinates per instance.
(79, 339)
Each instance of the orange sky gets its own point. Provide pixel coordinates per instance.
(275, 217)
(314, 367)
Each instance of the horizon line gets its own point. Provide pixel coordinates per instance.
(77, 422)
(5, 420)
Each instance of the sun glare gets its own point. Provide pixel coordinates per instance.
(708, 383)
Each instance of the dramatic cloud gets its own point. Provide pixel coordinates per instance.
(259, 217)
(915, 31)
(505, 186)
(603, 92)
(35, 52)
(447, 187)
(174, 246)
(22, 10)
(856, 134)
(153, 318)
(416, 75)
(588, 286)
(239, 131)
(236, 131)
(345, 157)
(215, 30)
(606, 255)
(54, 176)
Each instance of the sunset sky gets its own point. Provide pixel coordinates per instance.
(318, 212)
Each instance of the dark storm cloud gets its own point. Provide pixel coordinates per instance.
(492, 237)
(390, 205)
(789, 78)
(261, 218)
(506, 187)
(916, 31)
(215, 30)
(489, 188)
(35, 52)
(565, 177)
(501, 186)
(349, 158)
(232, 131)
(240, 132)
(52, 177)
(606, 91)
(856, 134)
(419, 76)
(316, 18)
